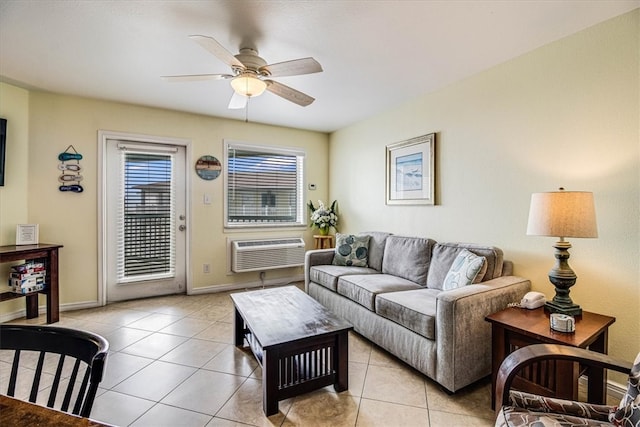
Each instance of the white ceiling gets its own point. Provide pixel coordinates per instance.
(375, 54)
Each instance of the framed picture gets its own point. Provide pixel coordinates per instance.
(410, 171)
(27, 234)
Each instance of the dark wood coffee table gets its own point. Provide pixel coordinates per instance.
(300, 344)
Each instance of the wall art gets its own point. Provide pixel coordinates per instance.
(208, 167)
(70, 167)
(410, 176)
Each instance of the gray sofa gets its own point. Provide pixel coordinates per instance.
(398, 302)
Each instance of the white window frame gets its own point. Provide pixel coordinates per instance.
(301, 179)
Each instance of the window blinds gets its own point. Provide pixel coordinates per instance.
(146, 232)
(264, 186)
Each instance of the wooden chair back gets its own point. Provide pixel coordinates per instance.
(67, 364)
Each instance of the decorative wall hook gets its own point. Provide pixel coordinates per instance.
(70, 177)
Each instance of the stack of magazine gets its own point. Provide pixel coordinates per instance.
(27, 278)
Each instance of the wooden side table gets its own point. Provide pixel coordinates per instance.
(323, 242)
(513, 328)
(47, 253)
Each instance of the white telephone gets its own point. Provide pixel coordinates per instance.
(532, 300)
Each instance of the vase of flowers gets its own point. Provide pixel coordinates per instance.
(324, 218)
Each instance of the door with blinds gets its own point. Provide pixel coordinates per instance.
(145, 212)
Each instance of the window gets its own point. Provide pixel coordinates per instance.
(264, 186)
(145, 236)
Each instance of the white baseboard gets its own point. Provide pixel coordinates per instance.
(7, 317)
(281, 281)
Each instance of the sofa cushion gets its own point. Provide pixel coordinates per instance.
(465, 269)
(364, 288)
(408, 257)
(542, 405)
(328, 275)
(351, 250)
(377, 241)
(444, 254)
(509, 416)
(413, 309)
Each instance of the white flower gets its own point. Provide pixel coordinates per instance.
(323, 217)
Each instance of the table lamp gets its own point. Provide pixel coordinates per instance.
(562, 214)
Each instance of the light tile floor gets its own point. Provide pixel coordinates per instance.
(172, 363)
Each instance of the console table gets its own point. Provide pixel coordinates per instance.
(48, 254)
(513, 328)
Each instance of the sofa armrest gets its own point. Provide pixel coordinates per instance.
(316, 257)
(462, 334)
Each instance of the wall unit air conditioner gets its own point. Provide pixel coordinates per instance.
(259, 255)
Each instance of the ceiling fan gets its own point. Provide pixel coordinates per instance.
(250, 74)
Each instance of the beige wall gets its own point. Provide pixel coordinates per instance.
(567, 115)
(56, 121)
(14, 106)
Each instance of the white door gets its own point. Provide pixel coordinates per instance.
(144, 214)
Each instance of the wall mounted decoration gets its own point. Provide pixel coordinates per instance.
(411, 171)
(208, 167)
(27, 234)
(71, 168)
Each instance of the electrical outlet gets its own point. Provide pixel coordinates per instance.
(206, 268)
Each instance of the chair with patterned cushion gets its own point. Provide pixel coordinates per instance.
(57, 367)
(521, 409)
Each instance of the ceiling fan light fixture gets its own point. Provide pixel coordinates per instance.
(248, 85)
(251, 75)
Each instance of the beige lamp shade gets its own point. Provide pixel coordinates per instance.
(248, 85)
(562, 214)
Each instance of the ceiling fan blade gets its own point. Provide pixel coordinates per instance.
(195, 77)
(294, 67)
(237, 101)
(218, 50)
(288, 93)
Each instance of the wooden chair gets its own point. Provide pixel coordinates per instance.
(75, 359)
(526, 409)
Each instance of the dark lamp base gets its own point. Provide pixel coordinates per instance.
(563, 278)
(568, 309)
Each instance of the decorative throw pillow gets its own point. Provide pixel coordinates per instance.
(628, 413)
(463, 271)
(483, 271)
(351, 250)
